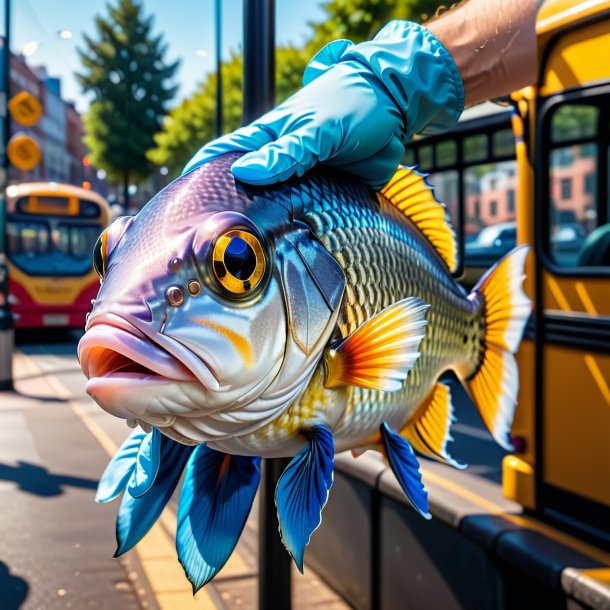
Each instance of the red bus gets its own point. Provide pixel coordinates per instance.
(51, 230)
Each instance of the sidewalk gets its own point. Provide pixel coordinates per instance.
(57, 544)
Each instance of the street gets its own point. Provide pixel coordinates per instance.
(57, 544)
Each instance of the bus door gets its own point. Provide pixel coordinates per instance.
(573, 281)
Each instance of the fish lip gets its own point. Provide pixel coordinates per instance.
(173, 361)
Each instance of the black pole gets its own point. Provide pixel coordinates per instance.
(218, 16)
(259, 96)
(259, 58)
(6, 318)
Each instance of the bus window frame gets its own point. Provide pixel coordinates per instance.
(492, 124)
(545, 110)
(51, 223)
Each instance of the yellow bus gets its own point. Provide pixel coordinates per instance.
(51, 230)
(530, 529)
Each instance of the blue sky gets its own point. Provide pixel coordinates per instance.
(188, 25)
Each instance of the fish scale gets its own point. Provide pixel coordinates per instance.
(385, 259)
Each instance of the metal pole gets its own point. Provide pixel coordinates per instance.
(259, 58)
(259, 95)
(218, 16)
(6, 318)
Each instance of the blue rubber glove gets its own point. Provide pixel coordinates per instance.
(359, 106)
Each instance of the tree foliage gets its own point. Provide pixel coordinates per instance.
(192, 124)
(125, 69)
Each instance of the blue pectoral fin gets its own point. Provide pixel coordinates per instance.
(147, 464)
(215, 501)
(302, 491)
(137, 515)
(119, 469)
(405, 466)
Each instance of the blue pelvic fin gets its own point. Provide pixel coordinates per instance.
(405, 466)
(428, 431)
(216, 497)
(137, 515)
(147, 464)
(119, 469)
(302, 491)
(380, 353)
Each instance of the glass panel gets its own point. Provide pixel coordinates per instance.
(446, 188)
(425, 157)
(63, 250)
(446, 153)
(490, 228)
(503, 143)
(573, 191)
(573, 121)
(409, 157)
(475, 148)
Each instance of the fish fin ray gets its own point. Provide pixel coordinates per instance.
(147, 464)
(428, 431)
(379, 354)
(506, 310)
(405, 467)
(138, 514)
(215, 500)
(302, 491)
(410, 192)
(120, 469)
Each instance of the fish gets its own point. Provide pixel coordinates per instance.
(236, 323)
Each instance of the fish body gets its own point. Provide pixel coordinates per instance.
(297, 319)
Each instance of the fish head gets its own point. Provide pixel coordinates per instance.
(213, 310)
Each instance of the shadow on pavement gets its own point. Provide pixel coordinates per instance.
(34, 336)
(14, 590)
(40, 482)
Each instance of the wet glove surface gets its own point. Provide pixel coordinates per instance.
(358, 107)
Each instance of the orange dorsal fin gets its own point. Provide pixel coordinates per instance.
(414, 197)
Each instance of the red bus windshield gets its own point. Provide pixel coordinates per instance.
(56, 246)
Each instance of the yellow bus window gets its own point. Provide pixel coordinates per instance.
(578, 222)
(574, 121)
(503, 143)
(425, 157)
(446, 153)
(409, 157)
(475, 148)
(447, 188)
(490, 229)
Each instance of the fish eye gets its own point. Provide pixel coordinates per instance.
(99, 255)
(238, 261)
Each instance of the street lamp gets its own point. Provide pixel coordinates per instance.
(31, 47)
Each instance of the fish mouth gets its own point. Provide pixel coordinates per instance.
(114, 349)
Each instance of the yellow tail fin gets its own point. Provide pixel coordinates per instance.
(505, 310)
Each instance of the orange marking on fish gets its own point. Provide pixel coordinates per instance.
(224, 467)
(239, 343)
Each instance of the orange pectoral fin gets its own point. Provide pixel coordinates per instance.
(379, 354)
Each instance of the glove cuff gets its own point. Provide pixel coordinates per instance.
(419, 73)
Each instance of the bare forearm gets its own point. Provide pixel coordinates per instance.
(493, 43)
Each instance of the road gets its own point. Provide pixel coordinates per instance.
(57, 544)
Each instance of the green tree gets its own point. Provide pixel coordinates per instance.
(126, 71)
(191, 124)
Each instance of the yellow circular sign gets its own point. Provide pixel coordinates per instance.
(25, 108)
(23, 152)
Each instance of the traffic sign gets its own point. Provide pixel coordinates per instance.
(25, 108)
(24, 152)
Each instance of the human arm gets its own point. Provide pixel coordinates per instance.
(493, 44)
(361, 103)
